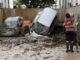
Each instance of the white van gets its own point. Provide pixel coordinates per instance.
(10, 26)
(44, 22)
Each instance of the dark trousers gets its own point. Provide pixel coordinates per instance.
(70, 38)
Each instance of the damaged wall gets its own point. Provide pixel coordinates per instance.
(1, 17)
(27, 14)
(61, 15)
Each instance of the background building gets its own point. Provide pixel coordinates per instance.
(66, 3)
(6, 3)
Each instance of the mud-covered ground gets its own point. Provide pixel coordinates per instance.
(10, 49)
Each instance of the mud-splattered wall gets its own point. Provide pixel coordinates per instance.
(27, 14)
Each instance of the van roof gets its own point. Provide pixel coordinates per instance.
(12, 19)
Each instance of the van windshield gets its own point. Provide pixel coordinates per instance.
(10, 24)
(39, 28)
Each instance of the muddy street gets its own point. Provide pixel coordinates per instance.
(33, 51)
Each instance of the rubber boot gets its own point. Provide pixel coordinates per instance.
(67, 46)
(71, 46)
(77, 47)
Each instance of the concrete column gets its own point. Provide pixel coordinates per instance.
(59, 3)
(79, 2)
(67, 5)
(64, 3)
(4, 3)
(0, 3)
(7, 5)
(10, 3)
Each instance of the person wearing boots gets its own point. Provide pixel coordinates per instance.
(70, 35)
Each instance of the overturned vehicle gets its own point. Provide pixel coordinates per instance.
(44, 22)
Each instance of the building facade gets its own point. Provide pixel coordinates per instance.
(67, 3)
(6, 3)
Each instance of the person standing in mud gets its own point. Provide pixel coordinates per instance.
(70, 35)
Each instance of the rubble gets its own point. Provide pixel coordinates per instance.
(34, 36)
